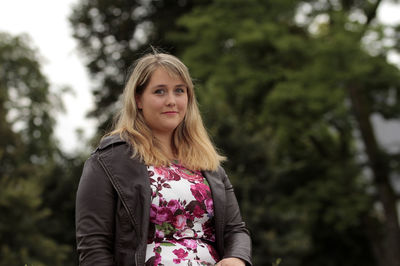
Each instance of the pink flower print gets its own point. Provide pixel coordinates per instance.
(167, 173)
(160, 170)
(209, 206)
(198, 211)
(213, 252)
(160, 234)
(157, 251)
(191, 176)
(162, 202)
(199, 191)
(181, 254)
(158, 215)
(173, 205)
(153, 212)
(163, 215)
(180, 221)
(208, 230)
(195, 178)
(190, 243)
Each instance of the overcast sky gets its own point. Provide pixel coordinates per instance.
(46, 22)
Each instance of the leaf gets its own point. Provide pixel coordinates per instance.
(166, 185)
(167, 244)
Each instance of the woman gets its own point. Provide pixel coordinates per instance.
(153, 192)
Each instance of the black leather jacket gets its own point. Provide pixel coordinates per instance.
(113, 205)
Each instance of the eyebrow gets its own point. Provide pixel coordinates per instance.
(164, 85)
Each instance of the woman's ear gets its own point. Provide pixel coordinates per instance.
(138, 100)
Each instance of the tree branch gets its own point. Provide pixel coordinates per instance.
(370, 12)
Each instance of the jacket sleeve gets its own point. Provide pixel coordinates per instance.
(237, 242)
(95, 207)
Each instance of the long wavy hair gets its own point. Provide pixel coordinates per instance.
(190, 142)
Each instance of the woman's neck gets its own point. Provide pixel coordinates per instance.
(166, 144)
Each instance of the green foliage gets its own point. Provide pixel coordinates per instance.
(29, 160)
(277, 262)
(26, 96)
(284, 119)
(21, 239)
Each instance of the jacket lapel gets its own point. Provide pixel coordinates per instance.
(130, 179)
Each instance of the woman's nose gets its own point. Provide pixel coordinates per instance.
(170, 101)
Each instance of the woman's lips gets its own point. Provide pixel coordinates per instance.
(170, 112)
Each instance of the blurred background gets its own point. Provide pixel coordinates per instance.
(302, 96)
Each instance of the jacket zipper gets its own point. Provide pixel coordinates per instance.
(135, 225)
(136, 259)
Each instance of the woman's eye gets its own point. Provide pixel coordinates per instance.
(159, 91)
(180, 90)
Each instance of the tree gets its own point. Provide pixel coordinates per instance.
(27, 150)
(299, 90)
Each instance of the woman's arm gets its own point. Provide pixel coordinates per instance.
(95, 206)
(237, 243)
(231, 262)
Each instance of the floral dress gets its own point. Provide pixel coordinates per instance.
(181, 229)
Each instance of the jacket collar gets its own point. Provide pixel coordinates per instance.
(110, 140)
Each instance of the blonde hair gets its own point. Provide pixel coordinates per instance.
(190, 142)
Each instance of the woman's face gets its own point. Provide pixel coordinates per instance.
(163, 102)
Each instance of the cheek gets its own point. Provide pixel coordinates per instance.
(152, 105)
(184, 103)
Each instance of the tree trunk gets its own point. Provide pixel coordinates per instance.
(381, 173)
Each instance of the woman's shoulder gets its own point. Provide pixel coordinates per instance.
(113, 145)
(109, 141)
(114, 150)
(218, 173)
